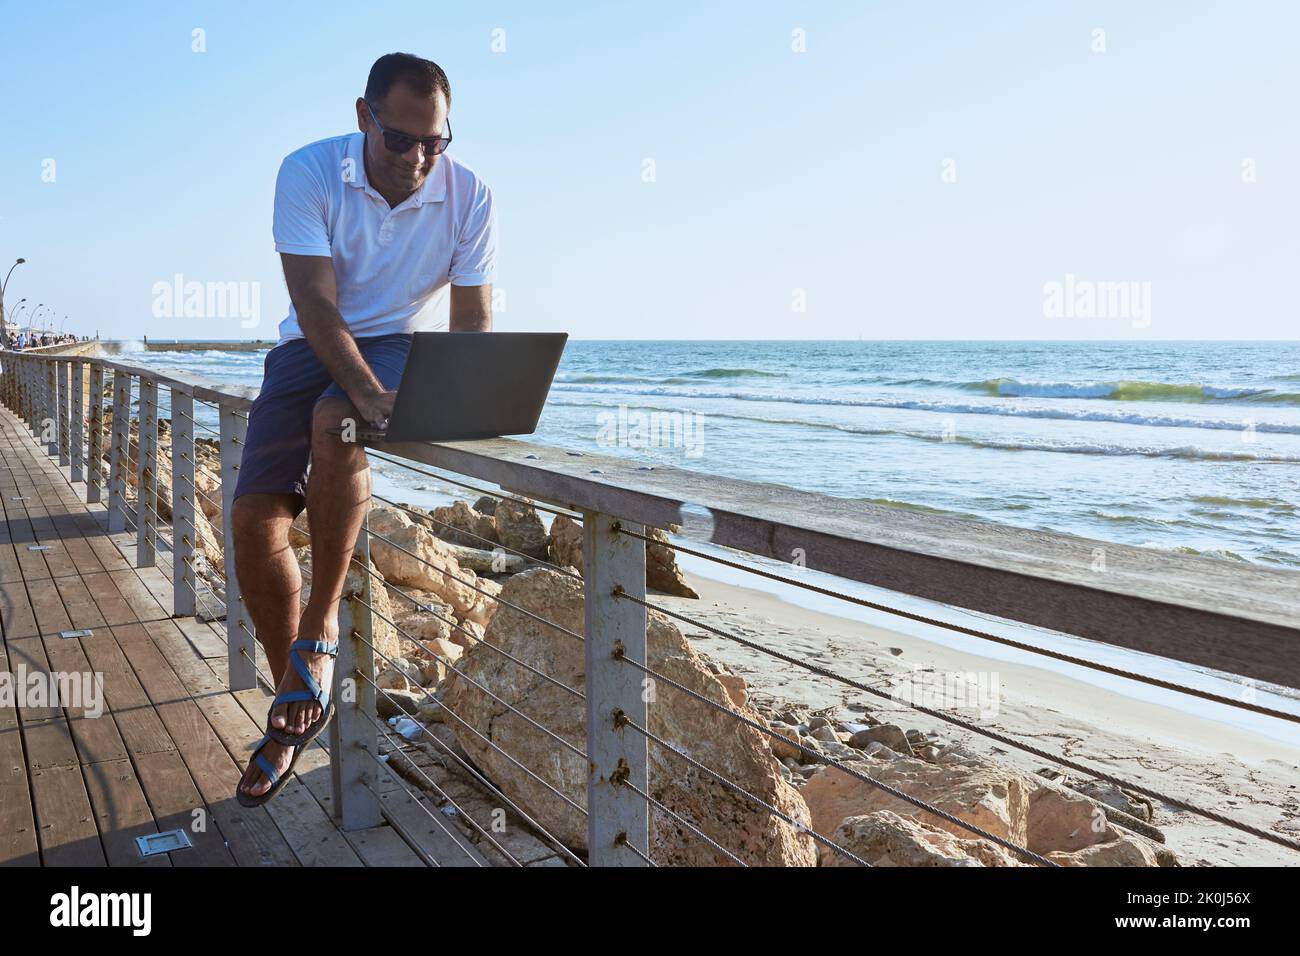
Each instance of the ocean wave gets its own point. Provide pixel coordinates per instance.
(1187, 452)
(951, 408)
(677, 378)
(1129, 391)
(1270, 504)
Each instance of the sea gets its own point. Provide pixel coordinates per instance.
(1189, 447)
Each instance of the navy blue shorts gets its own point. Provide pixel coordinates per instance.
(277, 449)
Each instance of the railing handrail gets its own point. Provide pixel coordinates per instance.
(1238, 617)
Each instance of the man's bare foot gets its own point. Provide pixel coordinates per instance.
(255, 782)
(296, 716)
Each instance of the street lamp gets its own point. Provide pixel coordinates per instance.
(4, 332)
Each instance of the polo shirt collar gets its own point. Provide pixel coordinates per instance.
(434, 188)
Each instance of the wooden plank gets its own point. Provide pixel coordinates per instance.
(121, 812)
(252, 838)
(18, 845)
(64, 819)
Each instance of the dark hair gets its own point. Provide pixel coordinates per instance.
(423, 76)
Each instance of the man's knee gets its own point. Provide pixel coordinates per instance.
(258, 520)
(333, 420)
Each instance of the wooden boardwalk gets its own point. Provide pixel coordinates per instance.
(171, 740)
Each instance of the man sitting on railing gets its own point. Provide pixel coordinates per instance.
(372, 228)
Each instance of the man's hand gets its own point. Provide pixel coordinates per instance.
(375, 407)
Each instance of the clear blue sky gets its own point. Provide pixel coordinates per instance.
(775, 170)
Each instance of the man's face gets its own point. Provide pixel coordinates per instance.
(402, 110)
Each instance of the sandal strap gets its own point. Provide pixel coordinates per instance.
(316, 647)
(314, 691)
(263, 764)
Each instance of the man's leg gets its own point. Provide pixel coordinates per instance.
(338, 493)
(269, 580)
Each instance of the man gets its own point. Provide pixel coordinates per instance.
(375, 230)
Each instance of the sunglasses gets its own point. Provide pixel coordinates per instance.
(403, 142)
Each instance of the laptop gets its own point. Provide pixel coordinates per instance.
(458, 386)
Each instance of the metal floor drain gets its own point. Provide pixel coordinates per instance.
(155, 843)
(38, 547)
(81, 632)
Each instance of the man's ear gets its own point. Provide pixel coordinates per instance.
(363, 115)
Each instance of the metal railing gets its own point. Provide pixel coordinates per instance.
(1237, 619)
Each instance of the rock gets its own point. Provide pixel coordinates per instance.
(398, 703)
(460, 524)
(410, 555)
(486, 505)
(661, 571)
(1125, 849)
(384, 520)
(825, 733)
(520, 529)
(735, 751)
(430, 620)
(817, 723)
(736, 688)
(782, 750)
(392, 679)
(991, 797)
(468, 640)
(482, 561)
(891, 735)
(300, 532)
(1134, 804)
(883, 838)
(1061, 820)
(566, 543)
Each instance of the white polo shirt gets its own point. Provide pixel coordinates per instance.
(392, 266)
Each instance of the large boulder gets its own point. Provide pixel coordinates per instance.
(883, 838)
(989, 796)
(1064, 827)
(409, 555)
(661, 571)
(461, 524)
(1064, 821)
(566, 543)
(735, 751)
(519, 528)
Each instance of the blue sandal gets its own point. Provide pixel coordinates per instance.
(278, 780)
(313, 691)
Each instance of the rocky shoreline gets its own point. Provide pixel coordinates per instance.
(467, 588)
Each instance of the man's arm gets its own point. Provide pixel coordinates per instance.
(315, 298)
(471, 308)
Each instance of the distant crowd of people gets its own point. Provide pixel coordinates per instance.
(29, 339)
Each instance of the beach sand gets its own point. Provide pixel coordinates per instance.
(1181, 750)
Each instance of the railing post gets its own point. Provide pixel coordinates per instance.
(95, 471)
(146, 480)
(183, 531)
(239, 627)
(354, 742)
(616, 815)
(76, 432)
(50, 426)
(36, 397)
(117, 459)
(63, 413)
(25, 389)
